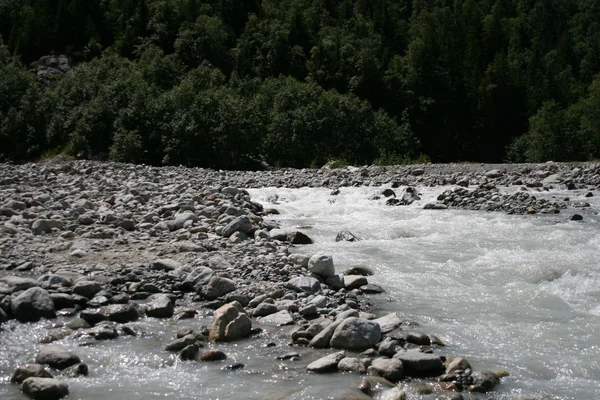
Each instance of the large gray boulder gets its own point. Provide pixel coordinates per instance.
(87, 288)
(389, 322)
(304, 284)
(28, 371)
(418, 364)
(323, 338)
(356, 334)
(45, 388)
(197, 278)
(160, 306)
(53, 280)
(388, 368)
(165, 264)
(121, 313)
(32, 305)
(321, 264)
(17, 283)
(281, 318)
(230, 323)
(328, 363)
(240, 224)
(57, 357)
(216, 287)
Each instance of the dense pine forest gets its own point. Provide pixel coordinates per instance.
(240, 83)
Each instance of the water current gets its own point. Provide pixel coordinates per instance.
(520, 293)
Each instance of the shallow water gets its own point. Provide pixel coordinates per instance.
(520, 293)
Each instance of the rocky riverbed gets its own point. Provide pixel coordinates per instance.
(93, 254)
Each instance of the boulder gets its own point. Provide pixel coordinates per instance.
(197, 278)
(28, 371)
(389, 322)
(87, 288)
(356, 334)
(297, 237)
(240, 224)
(121, 313)
(57, 357)
(359, 270)
(32, 305)
(213, 355)
(323, 338)
(354, 281)
(321, 264)
(229, 323)
(418, 364)
(351, 364)
(281, 318)
(44, 388)
(457, 364)
(217, 287)
(483, 381)
(346, 236)
(181, 343)
(160, 307)
(328, 363)
(304, 284)
(17, 283)
(388, 368)
(53, 280)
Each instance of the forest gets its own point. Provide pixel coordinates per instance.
(245, 84)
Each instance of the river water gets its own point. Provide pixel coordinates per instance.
(520, 293)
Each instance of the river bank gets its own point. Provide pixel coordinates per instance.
(113, 246)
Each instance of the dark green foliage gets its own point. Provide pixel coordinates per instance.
(22, 119)
(230, 83)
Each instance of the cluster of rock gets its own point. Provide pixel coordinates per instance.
(110, 244)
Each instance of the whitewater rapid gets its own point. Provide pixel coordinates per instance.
(520, 293)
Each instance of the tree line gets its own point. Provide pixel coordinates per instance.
(237, 83)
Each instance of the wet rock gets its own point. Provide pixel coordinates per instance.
(45, 388)
(213, 355)
(57, 357)
(326, 364)
(230, 324)
(181, 343)
(576, 217)
(388, 322)
(160, 307)
(217, 287)
(32, 305)
(354, 281)
(189, 352)
(483, 381)
(87, 289)
(393, 394)
(321, 264)
(81, 369)
(264, 309)
(356, 334)
(298, 237)
(388, 368)
(359, 270)
(17, 283)
(372, 289)
(457, 364)
(28, 371)
(419, 364)
(323, 338)
(103, 331)
(233, 367)
(351, 364)
(346, 236)
(121, 313)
